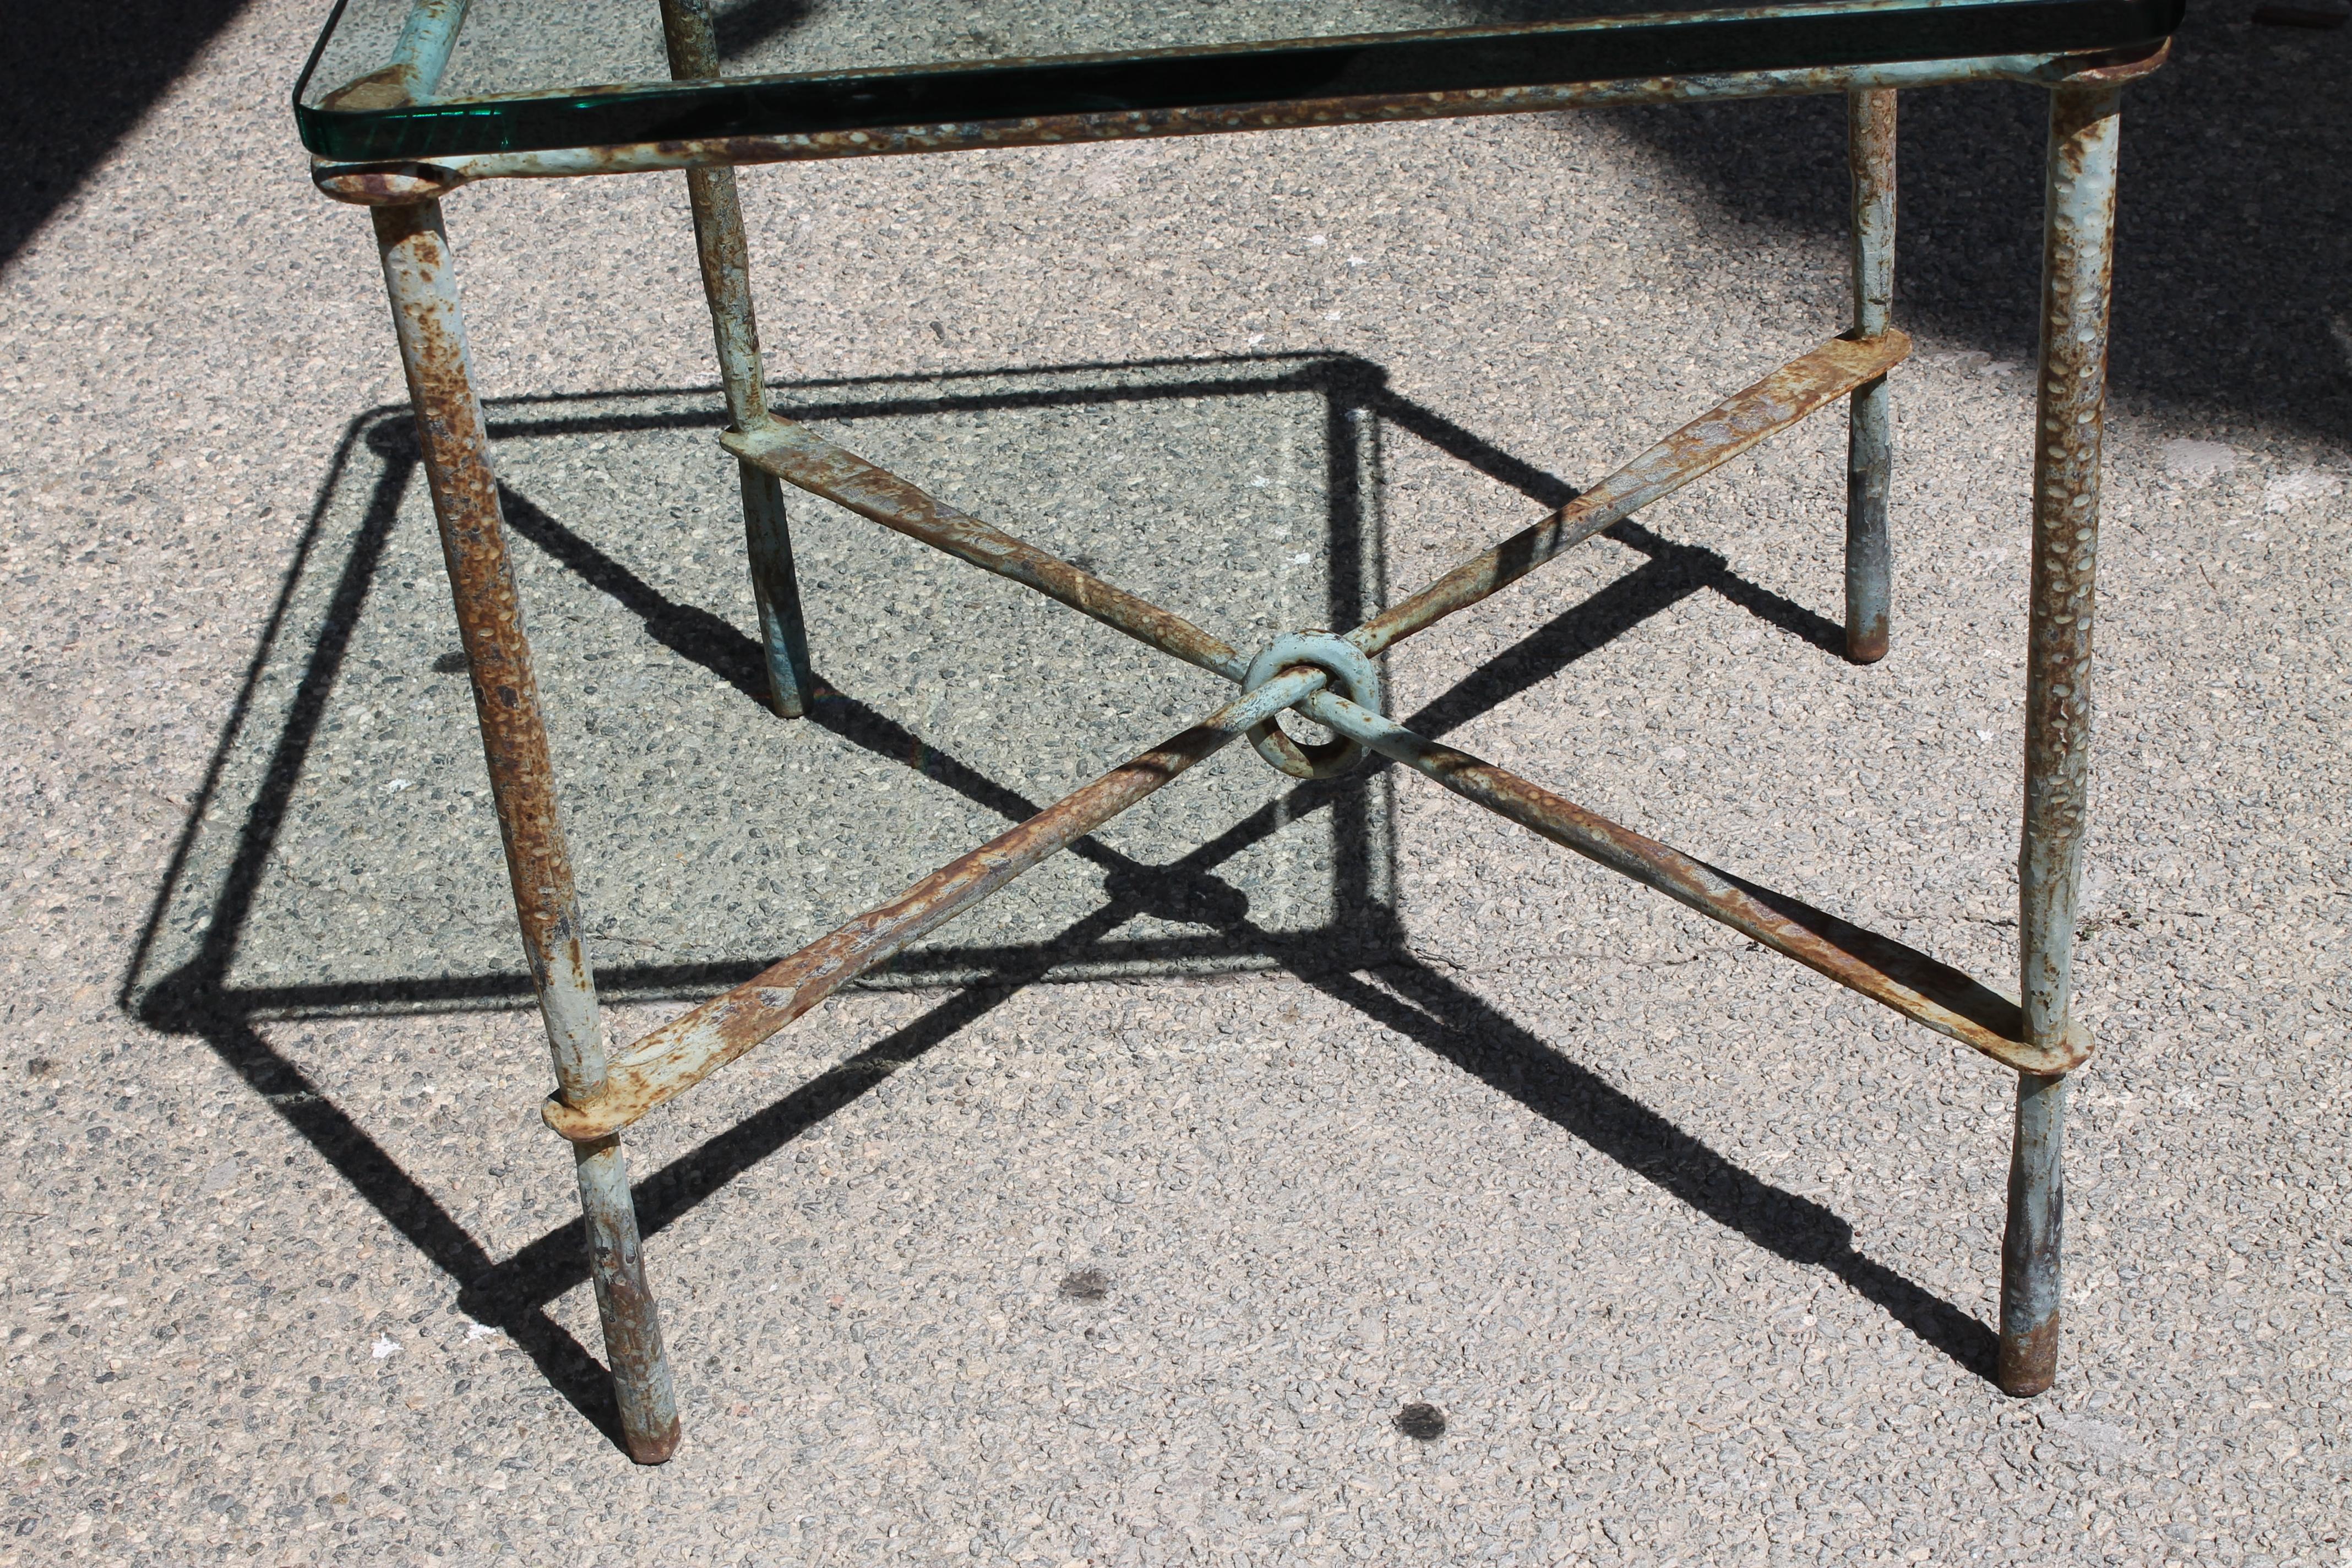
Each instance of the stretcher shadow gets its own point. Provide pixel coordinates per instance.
(1374, 972)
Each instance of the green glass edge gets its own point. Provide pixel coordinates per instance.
(535, 121)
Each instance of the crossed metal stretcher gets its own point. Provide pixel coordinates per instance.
(1332, 679)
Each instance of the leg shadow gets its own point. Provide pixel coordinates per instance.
(1468, 1032)
(412, 1210)
(514, 1294)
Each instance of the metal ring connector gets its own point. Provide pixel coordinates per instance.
(1353, 676)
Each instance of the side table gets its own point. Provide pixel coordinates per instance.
(403, 101)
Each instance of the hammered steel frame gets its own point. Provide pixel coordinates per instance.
(1332, 680)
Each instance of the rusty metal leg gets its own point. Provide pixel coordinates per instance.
(2077, 247)
(727, 282)
(1869, 442)
(776, 591)
(624, 1303)
(2030, 1273)
(423, 282)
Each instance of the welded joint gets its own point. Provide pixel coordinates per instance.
(393, 184)
(2112, 69)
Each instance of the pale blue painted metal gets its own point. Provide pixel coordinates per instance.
(428, 34)
(2032, 1276)
(1870, 446)
(1353, 675)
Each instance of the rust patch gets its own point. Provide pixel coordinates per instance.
(1867, 643)
(1886, 970)
(386, 185)
(2069, 419)
(2120, 67)
(385, 89)
(456, 447)
(2029, 1362)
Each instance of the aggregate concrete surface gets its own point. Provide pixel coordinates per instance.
(1297, 1176)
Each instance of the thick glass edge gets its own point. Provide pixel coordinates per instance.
(310, 68)
(836, 102)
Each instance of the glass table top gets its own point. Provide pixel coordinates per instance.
(422, 78)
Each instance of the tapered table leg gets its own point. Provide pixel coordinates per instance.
(2077, 249)
(1870, 441)
(423, 282)
(726, 283)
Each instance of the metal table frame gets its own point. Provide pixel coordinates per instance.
(1333, 680)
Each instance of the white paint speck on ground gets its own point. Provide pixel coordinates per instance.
(2191, 459)
(2292, 489)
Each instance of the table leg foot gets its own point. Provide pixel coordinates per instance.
(2030, 1273)
(632, 1338)
(783, 640)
